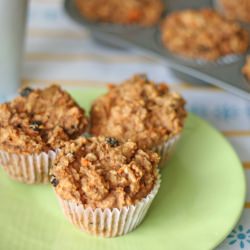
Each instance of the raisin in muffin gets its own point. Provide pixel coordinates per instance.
(143, 12)
(203, 34)
(246, 69)
(100, 178)
(235, 10)
(33, 126)
(142, 111)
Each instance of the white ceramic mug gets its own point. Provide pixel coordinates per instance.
(12, 29)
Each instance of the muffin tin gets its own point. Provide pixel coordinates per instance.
(224, 73)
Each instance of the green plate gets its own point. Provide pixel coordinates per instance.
(200, 200)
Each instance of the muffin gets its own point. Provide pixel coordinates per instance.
(203, 34)
(105, 187)
(142, 12)
(235, 10)
(32, 127)
(246, 69)
(141, 111)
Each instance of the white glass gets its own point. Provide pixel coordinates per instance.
(12, 29)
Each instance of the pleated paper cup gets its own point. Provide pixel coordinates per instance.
(28, 168)
(166, 149)
(108, 222)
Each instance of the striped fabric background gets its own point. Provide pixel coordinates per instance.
(58, 50)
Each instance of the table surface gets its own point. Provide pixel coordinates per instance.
(60, 51)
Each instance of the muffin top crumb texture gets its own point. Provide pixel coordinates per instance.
(236, 10)
(143, 12)
(203, 34)
(246, 68)
(39, 120)
(139, 110)
(101, 172)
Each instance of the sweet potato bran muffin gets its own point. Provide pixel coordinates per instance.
(143, 12)
(139, 110)
(39, 120)
(32, 127)
(203, 34)
(235, 10)
(246, 68)
(100, 172)
(105, 187)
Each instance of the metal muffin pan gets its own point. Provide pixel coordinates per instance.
(225, 73)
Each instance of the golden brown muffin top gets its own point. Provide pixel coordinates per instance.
(143, 12)
(236, 10)
(139, 110)
(246, 68)
(39, 120)
(203, 34)
(100, 172)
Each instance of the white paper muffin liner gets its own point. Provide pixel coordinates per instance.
(30, 168)
(109, 222)
(166, 149)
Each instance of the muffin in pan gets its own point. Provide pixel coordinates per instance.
(246, 69)
(142, 12)
(142, 111)
(105, 187)
(203, 34)
(235, 10)
(32, 127)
